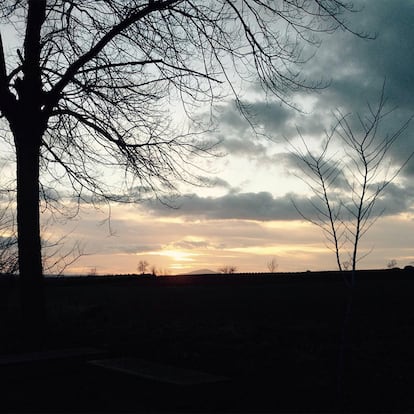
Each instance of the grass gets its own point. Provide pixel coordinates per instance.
(278, 336)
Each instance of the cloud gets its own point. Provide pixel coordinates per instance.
(397, 198)
(191, 245)
(357, 68)
(243, 147)
(216, 182)
(270, 118)
(263, 206)
(300, 166)
(246, 206)
(227, 224)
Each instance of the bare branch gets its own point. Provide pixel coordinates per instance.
(366, 177)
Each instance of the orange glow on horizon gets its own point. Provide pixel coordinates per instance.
(178, 255)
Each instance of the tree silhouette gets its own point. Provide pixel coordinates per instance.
(228, 270)
(142, 266)
(272, 265)
(89, 89)
(8, 237)
(347, 186)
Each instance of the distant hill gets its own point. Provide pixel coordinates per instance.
(200, 272)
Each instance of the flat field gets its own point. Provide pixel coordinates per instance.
(283, 343)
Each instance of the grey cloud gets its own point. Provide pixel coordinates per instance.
(295, 166)
(50, 194)
(238, 137)
(270, 115)
(264, 116)
(395, 199)
(190, 245)
(260, 206)
(263, 206)
(216, 182)
(259, 112)
(132, 248)
(231, 118)
(356, 69)
(244, 147)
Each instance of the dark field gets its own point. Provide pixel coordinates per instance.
(282, 342)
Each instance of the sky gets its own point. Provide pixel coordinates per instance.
(245, 216)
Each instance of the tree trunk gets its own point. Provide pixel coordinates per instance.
(28, 227)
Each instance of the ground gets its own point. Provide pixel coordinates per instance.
(284, 343)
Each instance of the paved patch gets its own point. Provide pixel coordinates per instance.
(157, 372)
(50, 355)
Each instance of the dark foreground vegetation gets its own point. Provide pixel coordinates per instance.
(283, 343)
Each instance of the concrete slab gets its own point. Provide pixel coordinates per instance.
(54, 354)
(157, 372)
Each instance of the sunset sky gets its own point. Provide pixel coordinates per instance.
(245, 216)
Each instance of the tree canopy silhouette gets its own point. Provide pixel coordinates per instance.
(92, 81)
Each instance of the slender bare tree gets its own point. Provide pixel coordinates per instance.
(272, 265)
(347, 185)
(89, 89)
(320, 172)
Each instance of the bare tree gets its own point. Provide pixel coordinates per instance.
(93, 271)
(392, 264)
(162, 272)
(320, 172)
(89, 89)
(272, 265)
(8, 239)
(227, 270)
(347, 186)
(55, 260)
(57, 255)
(142, 266)
(8, 232)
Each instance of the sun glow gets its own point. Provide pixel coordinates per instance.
(176, 255)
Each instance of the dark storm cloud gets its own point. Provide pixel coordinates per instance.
(391, 55)
(357, 68)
